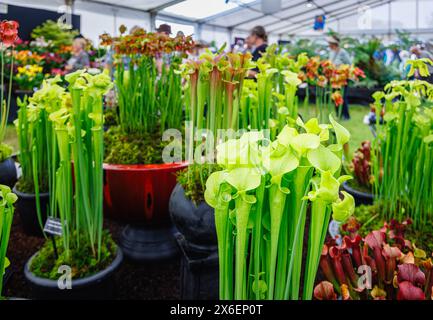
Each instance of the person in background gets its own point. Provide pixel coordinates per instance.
(404, 56)
(163, 58)
(420, 54)
(80, 58)
(339, 56)
(258, 41)
(164, 28)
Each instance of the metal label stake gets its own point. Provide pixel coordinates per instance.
(53, 227)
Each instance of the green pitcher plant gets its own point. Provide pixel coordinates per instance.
(7, 200)
(262, 198)
(76, 119)
(38, 155)
(403, 148)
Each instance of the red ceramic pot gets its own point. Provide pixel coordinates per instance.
(139, 193)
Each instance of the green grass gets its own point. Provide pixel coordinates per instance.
(358, 130)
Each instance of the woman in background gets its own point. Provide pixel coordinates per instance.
(80, 58)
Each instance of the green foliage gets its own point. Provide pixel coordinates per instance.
(27, 186)
(193, 180)
(82, 261)
(310, 47)
(260, 199)
(148, 101)
(402, 152)
(55, 33)
(373, 218)
(377, 74)
(5, 152)
(110, 117)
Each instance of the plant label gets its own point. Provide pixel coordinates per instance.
(53, 227)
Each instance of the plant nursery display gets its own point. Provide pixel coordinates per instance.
(392, 267)
(402, 151)
(260, 201)
(7, 200)
(77, 188)
(8, 36)
(183, 156)
(149, 94)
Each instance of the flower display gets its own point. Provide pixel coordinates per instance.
(147, 43)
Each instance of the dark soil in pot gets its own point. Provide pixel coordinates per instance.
(26, 207)
(361, 197)
(8, 172)
(133, 281)
(99, 286)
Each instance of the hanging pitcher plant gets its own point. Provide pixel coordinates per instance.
(261, 198)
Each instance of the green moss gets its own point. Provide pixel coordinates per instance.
(193, 180)
(371, 218)
(5, 152)
(82, 261)
(27, 186)
(132, 148)
(110, 117)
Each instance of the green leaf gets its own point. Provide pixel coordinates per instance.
(244, 179)
(343, 209)
(213, 187)
(286, 135)
(304, 142)
(328, 188)
(343, 135)
(324, 159)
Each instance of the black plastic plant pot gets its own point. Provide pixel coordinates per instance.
(8, 172)
(195, 223)
(199, 272)
(26, 208)
(100, 286)
(6, 277)
(360, 197)
(142, 243)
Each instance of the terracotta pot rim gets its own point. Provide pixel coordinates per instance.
(144, 167)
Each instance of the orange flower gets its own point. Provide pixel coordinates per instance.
(337, 98)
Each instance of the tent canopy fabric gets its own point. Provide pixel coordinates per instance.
(242, 15)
